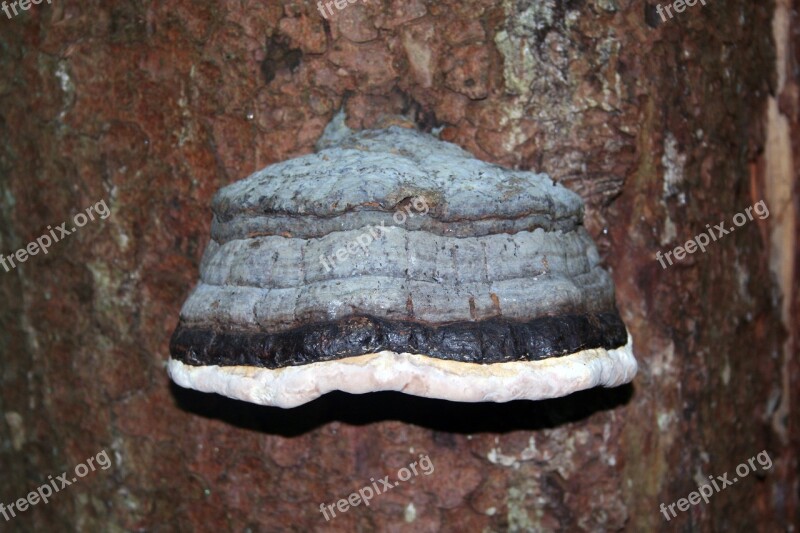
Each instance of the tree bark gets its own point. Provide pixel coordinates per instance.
(662, 126)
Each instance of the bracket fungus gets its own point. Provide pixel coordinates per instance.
(391, 260)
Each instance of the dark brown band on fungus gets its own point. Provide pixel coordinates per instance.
(495, 340)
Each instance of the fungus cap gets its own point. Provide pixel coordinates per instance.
(391, 260)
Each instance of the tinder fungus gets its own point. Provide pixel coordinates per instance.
(390, 260)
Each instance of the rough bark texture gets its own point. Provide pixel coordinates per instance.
(151, 106)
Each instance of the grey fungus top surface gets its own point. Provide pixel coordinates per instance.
(497, 267)
(373, 173)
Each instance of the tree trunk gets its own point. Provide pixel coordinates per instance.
(663, 125)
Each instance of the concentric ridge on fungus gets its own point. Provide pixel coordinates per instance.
(390, 260)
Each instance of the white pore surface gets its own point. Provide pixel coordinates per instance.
(415, 374)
